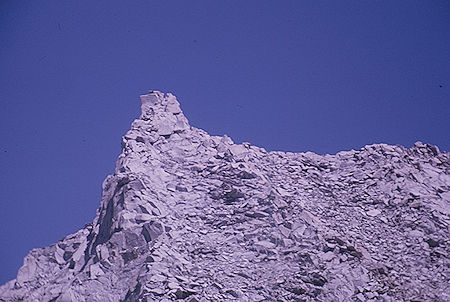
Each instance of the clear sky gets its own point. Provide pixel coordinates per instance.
(318, 76)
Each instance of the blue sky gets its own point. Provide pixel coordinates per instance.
(318, 76)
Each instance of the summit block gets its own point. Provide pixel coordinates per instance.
(191, 217)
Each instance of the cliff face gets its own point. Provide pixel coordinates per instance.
(192, 217)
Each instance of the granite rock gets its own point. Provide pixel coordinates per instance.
(191, 217)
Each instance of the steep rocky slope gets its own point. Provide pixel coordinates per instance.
(192, 217)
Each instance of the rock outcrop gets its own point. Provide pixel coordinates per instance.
(192, 217)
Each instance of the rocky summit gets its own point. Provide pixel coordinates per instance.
(191, 217)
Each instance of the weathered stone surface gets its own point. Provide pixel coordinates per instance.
(191, 217)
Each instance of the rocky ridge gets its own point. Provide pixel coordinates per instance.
(192, 217)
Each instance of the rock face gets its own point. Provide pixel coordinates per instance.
(192, 217)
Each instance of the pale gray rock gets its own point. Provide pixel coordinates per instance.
(191, 217)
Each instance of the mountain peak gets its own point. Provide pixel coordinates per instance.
(192, 217)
